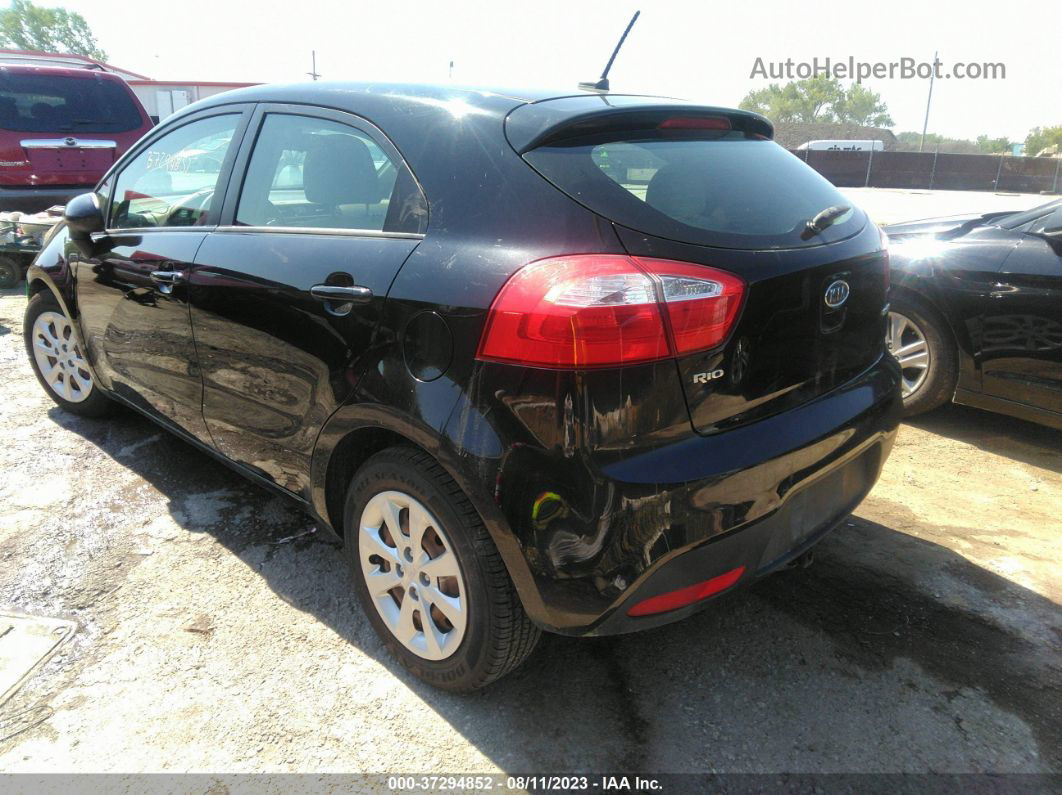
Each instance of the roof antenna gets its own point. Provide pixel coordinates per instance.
(602, 83)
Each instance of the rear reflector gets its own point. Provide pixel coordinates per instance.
(608, 310)
(673, 600)
(695, 123)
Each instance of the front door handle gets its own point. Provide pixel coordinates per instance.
(341, 295)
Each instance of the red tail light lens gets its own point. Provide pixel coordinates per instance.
(673, 600)
(605, 310)
(701, 302)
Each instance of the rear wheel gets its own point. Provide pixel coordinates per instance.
(428, 575)
(10, 273)
(919, 339)
(58, 360)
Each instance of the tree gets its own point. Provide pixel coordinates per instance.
(819, 99)
(860, 105)
(26, 26)
(802, 100)
(908, 141)
(1040, 138)
(992, 146)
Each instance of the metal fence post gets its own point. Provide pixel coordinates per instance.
(999, 171)
(1058, 165)
(933, 170)
(870, 162)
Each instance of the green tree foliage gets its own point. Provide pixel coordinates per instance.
(819, 99)
(907, 141)
(860, 105)
(1040, 138)
(992, 146)
(25, 26)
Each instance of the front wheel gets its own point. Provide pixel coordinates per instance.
(919, 339)
(428, 575)
(58, 360)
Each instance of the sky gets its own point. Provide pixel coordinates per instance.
(698, 50)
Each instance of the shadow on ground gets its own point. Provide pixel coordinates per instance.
(996, 433)
(856, 663)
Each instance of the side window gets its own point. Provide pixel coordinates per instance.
(173, 181)
(319, 174)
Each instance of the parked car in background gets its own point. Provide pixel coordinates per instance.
(60, 130)
(977, 312)
(528, 387)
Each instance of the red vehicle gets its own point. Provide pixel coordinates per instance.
(60, 130)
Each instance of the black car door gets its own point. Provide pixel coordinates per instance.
(1022, 333)
(287, 293)
(133, 296)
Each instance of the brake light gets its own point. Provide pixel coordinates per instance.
(673, 600)
(608, 310)
(695, 123)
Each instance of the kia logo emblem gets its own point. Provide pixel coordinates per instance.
(837, 293)
(70, 141)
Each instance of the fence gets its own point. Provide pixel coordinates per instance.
(936, 170)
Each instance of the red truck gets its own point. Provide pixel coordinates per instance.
(60, 130)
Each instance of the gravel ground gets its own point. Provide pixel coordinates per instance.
(216, 632)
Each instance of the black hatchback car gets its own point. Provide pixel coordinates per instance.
(572, 363)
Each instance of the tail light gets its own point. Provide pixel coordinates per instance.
(607, 310)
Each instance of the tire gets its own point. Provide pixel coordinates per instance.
(924, 388)
(68, 381)
(10, 273)
(495, 633)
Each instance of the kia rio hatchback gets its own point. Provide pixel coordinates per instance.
(562, 363)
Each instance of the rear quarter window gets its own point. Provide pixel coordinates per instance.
(729, 191)
(55, 104)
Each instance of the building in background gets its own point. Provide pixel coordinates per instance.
(159, 97)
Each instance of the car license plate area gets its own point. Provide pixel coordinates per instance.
(71, 159)
(818, 506)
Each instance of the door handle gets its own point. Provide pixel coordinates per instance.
(341, 295)
(166, 280)
(167, 277)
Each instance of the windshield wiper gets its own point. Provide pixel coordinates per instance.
(823, 219)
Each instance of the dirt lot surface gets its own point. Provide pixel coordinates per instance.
(216, 633)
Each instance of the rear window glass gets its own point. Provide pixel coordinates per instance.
(729, 191)
(48, 103)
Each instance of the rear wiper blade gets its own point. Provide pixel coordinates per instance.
(824, 219)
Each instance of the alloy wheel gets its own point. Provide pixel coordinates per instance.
(412, 575)
(907, 343)
(59, 357)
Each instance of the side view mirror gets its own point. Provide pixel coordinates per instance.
(84, 217)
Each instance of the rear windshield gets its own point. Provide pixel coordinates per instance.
(729, 191)
(49, 103)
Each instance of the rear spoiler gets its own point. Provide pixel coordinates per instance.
(539, 123)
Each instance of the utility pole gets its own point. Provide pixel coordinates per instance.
(313, 69)
(929, 99)
(451, 70)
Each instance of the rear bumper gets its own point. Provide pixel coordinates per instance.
(30, 199)
(674, 516)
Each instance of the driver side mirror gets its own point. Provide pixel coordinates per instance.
(84, 218)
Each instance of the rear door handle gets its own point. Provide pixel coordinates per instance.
(167, 277)
(166, 280)
(341, 295)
